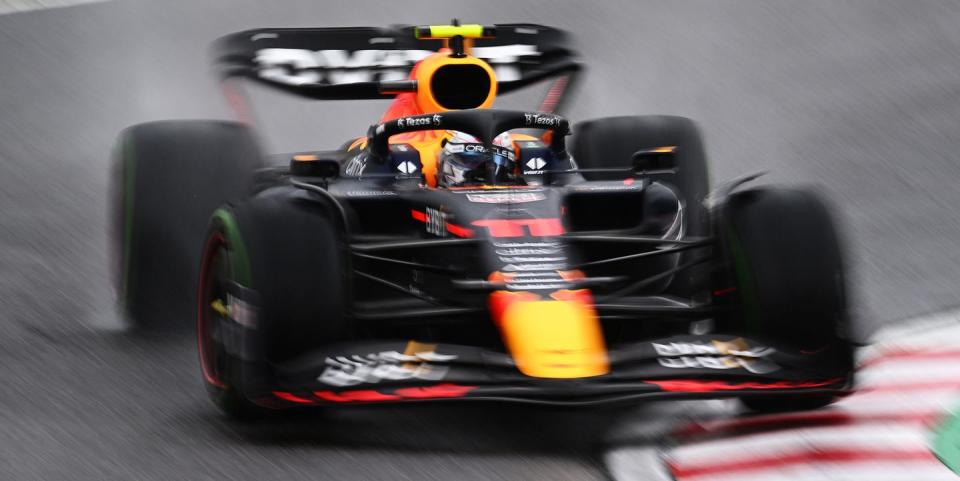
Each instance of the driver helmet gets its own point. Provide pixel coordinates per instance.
(464, 161)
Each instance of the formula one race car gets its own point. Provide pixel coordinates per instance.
(462, 252)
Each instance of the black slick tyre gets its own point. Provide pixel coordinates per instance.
(610, 142)
(168, 178)
(285, 253)
(787, 265)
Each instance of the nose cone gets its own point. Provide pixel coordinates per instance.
(558, 339)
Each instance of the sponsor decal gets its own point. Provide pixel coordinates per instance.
(534, 277)
(535, 164)
(627, 185)
(514, 251)
(434, 120)
(523, 245)
(503, 152)
(736, 347)
(603, 186)
(435, 222)
(542, 120)
(407, 167)
(735, 354)
(292, 66)
(533, 267)
(506, 197)
(356, 165)
(478, 149)
(533, 259)
(495, 188)
(369, 193)
(532, 287)
(721, 362)
(386, 366)
(543, 280)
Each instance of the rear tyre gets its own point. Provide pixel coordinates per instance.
(611, 142)
(168, 178)
(285, 254)
(787, 266)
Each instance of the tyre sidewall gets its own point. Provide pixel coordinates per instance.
(786, 260)
(168, 177)
(298, 268)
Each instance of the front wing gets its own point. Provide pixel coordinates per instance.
(708, 366)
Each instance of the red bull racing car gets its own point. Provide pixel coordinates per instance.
(458, 251)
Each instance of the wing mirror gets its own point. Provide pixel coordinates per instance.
(658, 160)
(310, 165)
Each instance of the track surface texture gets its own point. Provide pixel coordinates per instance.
(861, 98)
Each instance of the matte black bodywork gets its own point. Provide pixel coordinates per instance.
(419, 261)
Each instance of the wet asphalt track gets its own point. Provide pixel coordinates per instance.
(861, 98)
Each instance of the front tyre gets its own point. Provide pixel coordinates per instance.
(272, 289)
(221, 265)
(787, 265)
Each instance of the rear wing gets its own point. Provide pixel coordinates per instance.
(350, 63)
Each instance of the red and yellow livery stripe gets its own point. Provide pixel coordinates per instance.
(558, 338)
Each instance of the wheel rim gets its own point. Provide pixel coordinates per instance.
(212, 310)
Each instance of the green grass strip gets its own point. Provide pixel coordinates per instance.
(946, 444)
